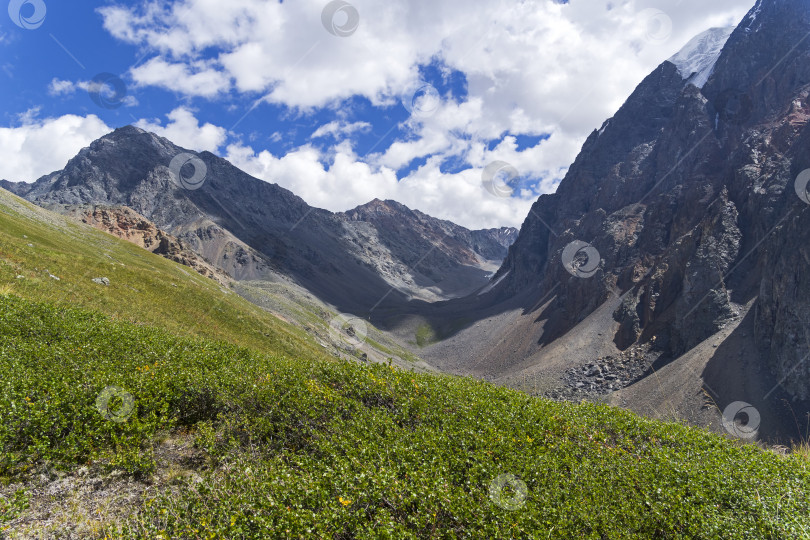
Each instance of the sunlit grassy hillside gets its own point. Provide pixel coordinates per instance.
(204, 417)
(144, 288)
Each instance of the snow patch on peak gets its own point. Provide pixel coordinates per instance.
(696, 60)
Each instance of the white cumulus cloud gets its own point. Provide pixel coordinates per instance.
(536, 67)
(185, 130)
(340, 128)
(41, 146)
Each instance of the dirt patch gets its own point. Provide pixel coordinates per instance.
(82, 502)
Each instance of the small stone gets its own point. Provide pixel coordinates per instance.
(102, 281)
(30, 245)
(53, 277)
(20, 277)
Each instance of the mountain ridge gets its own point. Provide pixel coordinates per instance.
(682, 209)
(253, 229)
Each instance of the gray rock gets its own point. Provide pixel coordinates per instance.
(102, 281)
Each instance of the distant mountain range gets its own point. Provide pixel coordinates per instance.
(380, 253)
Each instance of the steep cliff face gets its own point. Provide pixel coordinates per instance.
(687, 197)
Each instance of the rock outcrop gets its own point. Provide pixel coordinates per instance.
(129, 225)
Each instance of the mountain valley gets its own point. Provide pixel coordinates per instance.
(685, 197)
(194, 352)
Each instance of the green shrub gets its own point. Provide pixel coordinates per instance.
(307, 448)
(12, 507)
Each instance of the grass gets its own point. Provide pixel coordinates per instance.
(297, 444)
(301, 447)
(425, 335)
(14, 506)
(802, 449)
(297, 305)
(144, 288)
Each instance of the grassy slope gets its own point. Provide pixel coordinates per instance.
(298, 445)
(310, 448)
(295, 304)
(145, 288)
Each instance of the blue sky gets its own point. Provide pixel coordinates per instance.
(328, 112)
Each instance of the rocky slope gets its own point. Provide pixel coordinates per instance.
(254, 230)
(127, 224)
(454, 258)
(678, 214)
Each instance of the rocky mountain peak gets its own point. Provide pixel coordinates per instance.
(133, 138)
(125, 131)
(378, 206)
(683, 211)
(764, 60)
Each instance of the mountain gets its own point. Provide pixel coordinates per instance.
(491, 244)
(664, 275)
(669, 265)
(254, 230)
(448, 254)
